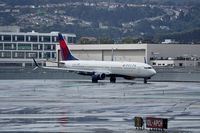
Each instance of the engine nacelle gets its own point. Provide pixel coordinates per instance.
(100, 76)
(129, 78)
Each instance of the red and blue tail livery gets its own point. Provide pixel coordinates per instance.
(65, 52)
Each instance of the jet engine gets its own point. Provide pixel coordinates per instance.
(99, 76)
(128, 78)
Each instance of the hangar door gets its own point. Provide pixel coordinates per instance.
(88, 54)
(124, 55)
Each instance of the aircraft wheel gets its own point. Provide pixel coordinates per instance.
(112, 79)
(145, 80)
(94, 79)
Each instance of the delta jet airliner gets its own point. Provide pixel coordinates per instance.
(99, 70)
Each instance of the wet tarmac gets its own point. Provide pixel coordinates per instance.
(81, 106)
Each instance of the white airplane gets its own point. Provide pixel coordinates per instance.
(99, 70)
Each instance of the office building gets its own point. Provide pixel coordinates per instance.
(18, 48)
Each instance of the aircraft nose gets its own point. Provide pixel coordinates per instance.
(153, 72)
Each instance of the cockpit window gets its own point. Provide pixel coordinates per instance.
(147, 67)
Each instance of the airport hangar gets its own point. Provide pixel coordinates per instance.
(167, 53)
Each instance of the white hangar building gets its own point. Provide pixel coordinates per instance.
(137, 52)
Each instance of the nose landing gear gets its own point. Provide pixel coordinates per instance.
(145, 80)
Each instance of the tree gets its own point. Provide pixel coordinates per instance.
(87, 40)
(130, 40)
(106, 40)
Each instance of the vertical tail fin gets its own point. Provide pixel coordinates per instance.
(65, 52)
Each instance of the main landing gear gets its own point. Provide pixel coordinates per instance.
(94, 79)
(112, 79)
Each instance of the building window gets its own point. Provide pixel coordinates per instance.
(18, 55)
(9, 46)
(40, 55)
(44, 38)
(1, 37)
(31, 38)
(5, 54)
(34, 39)
(1, 46)
(28, 38)
(1, 54)
(54, 38)
(53, 46)
(74, 40)
(24, 46)
(47, 55)
(37, 46)
(19, 38)
(54, 55)
(7, 38)
(70, 39)
(31, 54)
(49, 47)
(14, 38)
(41, 39)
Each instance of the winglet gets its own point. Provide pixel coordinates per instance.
(65, 51)
(36, 65)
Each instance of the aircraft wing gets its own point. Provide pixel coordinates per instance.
(91, 72)
(80, 71)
